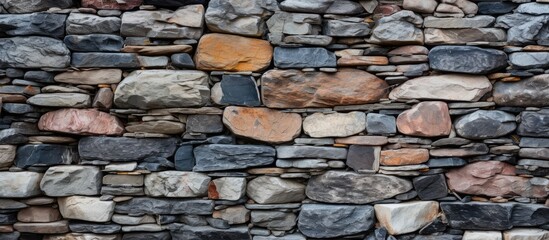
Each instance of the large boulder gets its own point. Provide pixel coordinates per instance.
(33, 52)
(467, 59)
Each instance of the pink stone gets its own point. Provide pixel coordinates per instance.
(425, 119)
(111, 4)
(81, 121)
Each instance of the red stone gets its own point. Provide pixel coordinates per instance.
(425, 119)
(81, 121)
(111, 4)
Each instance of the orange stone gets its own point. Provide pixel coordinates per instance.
(81, 121)
(262, 124)
(232, 53)
(425, 119)
(404, 156)
(350, 61)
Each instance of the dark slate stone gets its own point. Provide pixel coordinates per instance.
(17, 108)
(144, 205)
(218, 223)
(105, 60)
(184, 158)
(361, 158)
(45, 155)
(530, 142)
(484, 124)
(303, 58)
(12, 136)
(125, 149)
(329, 221)
(431, 186)
(182, 60)
(406, 196)
(204, 124)
(147, 236)
(495, 8)
(155, 164)
(467, 59)
(173, 3)
(437, 237)
(43, 24)
(433, 227)
(10, 236)
(14, 72)
(380, 124)
(534, 124)
(455, 141)
(214, 157)
(239, 90)
(529, 215)
(193, 220)
(165, 219)
(446, 162)
(84, 227)
(39, 76)
(24, 90)
(530, 92)
(298, 151)
(8, 218)
(94, 43)
(209, 233)
(478, 216)
(11, 205)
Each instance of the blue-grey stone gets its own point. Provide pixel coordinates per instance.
(446, 162)
(467, 59)
(182, 60)
(8, 218)
(430, 187)
(12, 136)
(329, 221)
(311, 152)
(529, 92)
(339, 28)
(530, 142)
(39, 76)
(478, 216)
(215, 157)
(45, 155)
(236, 90)
(173, 3)
(533, 8)
(125, 149)
(528, 60)
(184, 232)
(43, 24)
(303, 58)
(144, 205)
(155, 164)
(94, 43)
(483, 124)
(10, 236)
(33, 52)
(105, 60)
(25, 6)
(147, 236)
(184, 158)
(203, 123)
(529, 215)
(534, 124)
(380, 124)
(86, 227)
(17, 108)
(493, 8)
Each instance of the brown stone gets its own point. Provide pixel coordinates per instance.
(363, 140)
(408, 50)
(12, 98)
(350, 61)
(90, 77)
(262, 124)
(43, 228)
(463, 36)
(232, 53)
(404, 156)
(493, 178)
(81, 121)
(103, 98)
(425, 119)
(157, 50)
(52, 139)
(164, 127)
(111, 4)
(6, 228)
(297, 89)
(39, 214)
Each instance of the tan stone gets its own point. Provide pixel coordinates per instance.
(262, 124)
(404, 156)
(297, 89)
(164, 127)
(232, 53)
(406, 217)
(363, 140)
(350, 61)
(425, 119)
(43, 228)
(526, 234)
(7, 154)
(78, 207)
(81, 121)
(90, 77)
(39, 214)
(233, 215)
(157, 50)
(334, 124)
(409, 50)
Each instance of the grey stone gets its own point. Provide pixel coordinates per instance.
(176, 184)
(446, 162)
(483, 124)
(94, 43)
(399, 28)
(104, 60)
(202, 123)
(293, 236)
(39, 76)
(302, 163)
(345, 7)
(184, 158)
(478, 216)
(311, 152)
(19, 184)
(154, 24)
(43, 24)
(18, 108)
(147, 235)
(12, 136)
(329, 221)
(363, 158)
(349, 187)
(82, 227)
(239, 17)
(173, 3)
(529, 215)
(492, 8)
(81, 23)
(185, 232)
(527, 60)
(215, 157)
(312, 6)
(125, 149)
(273, 220)
(10, 236)
(25, 6)
(463, 151)
(534, 124)
(8, 218)
(144, 205)
(533, 8)
(74, 100)
(467, 59)
(303, 58)
(60, 181)
(534, 142)
(293, 23)
(269, 190)
(380, 124)
(45, 155)
(33, 52)
(473, 22)
(524, 28)
(236, 90)
(530, 92)
(182, 60)
(430, 187)
(341, 28)
(317, 40)
(180, 88)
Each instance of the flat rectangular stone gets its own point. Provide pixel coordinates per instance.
(105, 60)
(143, 205)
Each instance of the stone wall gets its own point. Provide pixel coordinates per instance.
(274, 119)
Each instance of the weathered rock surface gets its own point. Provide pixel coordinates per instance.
(176, 184)
(435, 36)
(163, 127)
(483, 124)
(340, 28)
(75, 100)
(273, 220)
(215, 157)
(329, 221)
(523, 28)
(7, 155)
(528, 60)
(479, 21)
(310, 152)
(303, 58)
(262, 124)
(179, 89)
(82, 23)
(488, 235)
(398, 29)
(430, 187)
(487, 216)
(297, 89)
(19, 184)
(534, 124)
(334, 125)
(33, 52)
(363, 158)
(269, 190)
(60, 181)
(163, 23)
(406, 217)
(525, 233)
(227, 188)
(533, 91)
(81, 121)
(144, 205)
(45, 155)
(125, 149)
(94, 43)
(39, 214)
(425, 6)
(111, 4)
(466, 59)
(207, 232)
(24, 6)
(349, 187)
(43, 24)
(105, 59)
(246, 18)
(78, 207)
(425, 119)
(236, 90)
(403, 156)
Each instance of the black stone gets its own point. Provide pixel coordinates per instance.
(173, 3)
(17, 108)
(495, 8)
(209, 233)
(361, 158)
(239, 90)
(534, 124)
(215, 157)
(433, 227)
(467, 59)
(12, 136)
(182, 60)
(184, 158)
(94, 43)
(104, 60)
(529, 92)
(529, 215)
(478, 216)
(303, 58)
(144, 205)
(446, 162)
(84, 227)
(8, 218)
(45, 155)
(39, 76)
(147, 236)
(431, 186)
(125, 149)
(204, 124)
(43, 24)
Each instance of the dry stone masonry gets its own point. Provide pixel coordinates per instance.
(274, 119)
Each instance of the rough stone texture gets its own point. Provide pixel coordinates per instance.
(406, 217)
(161, 23)
(329, 221)
(348, 187)
(269, 190)
(214, 157)
(525, 233)
(236, 90)
(303, 58)
(78, 207)
(44, 24)
(404, 156)
(286, 88)
(207, 232)
(45, 155)
(310, 152)
(81, 23)
(483, 124)
(81, 121)
(262, 124)
(111, 4)
(33, 52)
(7, 155)
(466, 59)
(435, 36)
(334, 125)
(533, 91)
(487, 216)
(398, 29)
(227, 188)
(19, 184)
(144, 205)
(94, 43)
(60, 181)
(534, 124)
(74, 100)
(125, 149)
(23, 6)
(246, 18)
(176, 184)
(425, 119)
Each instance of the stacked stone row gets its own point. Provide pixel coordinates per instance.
(266, 120)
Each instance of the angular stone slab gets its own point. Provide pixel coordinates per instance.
(186, 232)
(236, 90)
(247, 17)
(60, 181)
(349, 187)
(45, 155)
(329, 221)
(94, 43)
(530, 92)
(24, 6)
(478, 216)
(20, 184)
(297, 89)
(78, 208)
(111, 4)
(215, 157)
(74, 100)
(104, 60)
(303, 58)
(310, 152)
(401, 218)
(43, 24)
(534, 124)
(435, 36)
(473, 22)
(90, 77)
(159, 24)
(176, 184)
(124, 149)
(527, 60)
(320, 125)
(144, 205)
(484, 124)
(180, 88)
(425, 119)
(83, 23)
(466, 59)
(272, 190)
(33, 52)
